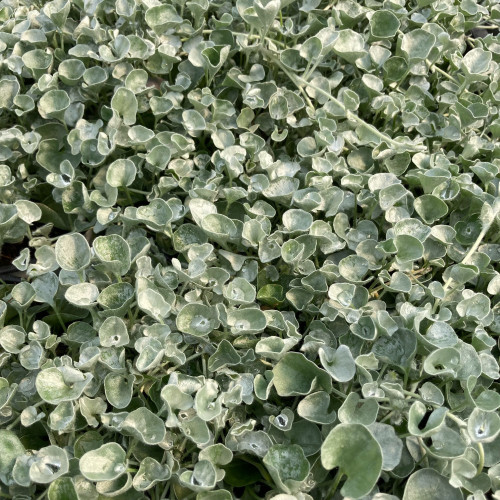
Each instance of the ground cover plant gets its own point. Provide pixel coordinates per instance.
(249, 249)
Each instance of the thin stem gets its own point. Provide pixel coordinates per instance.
(425, 457)
(190, 358)
(411, 394)
(183, 445)
(306, 97)
(480, 465)
(335, 485)
(457, 420)
(339, 393)
(444, 73)
(13, 423)
(59, 318)
(355, 215)
(412, 11)
(138, 191)
(388, 416)
(50, 435)
(307, 74)
(261, 469)
(165, 491)
(308, 67)
(129, 198)
(131, 447)
(382, 371)
(42, 495)
(204, 365)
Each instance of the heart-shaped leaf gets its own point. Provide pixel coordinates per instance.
(105, 463)
(349, 447)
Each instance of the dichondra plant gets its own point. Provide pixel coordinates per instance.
(249, 249)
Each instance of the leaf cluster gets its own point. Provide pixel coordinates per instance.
(250, 249)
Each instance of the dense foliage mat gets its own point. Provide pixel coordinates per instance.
(249, 249)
